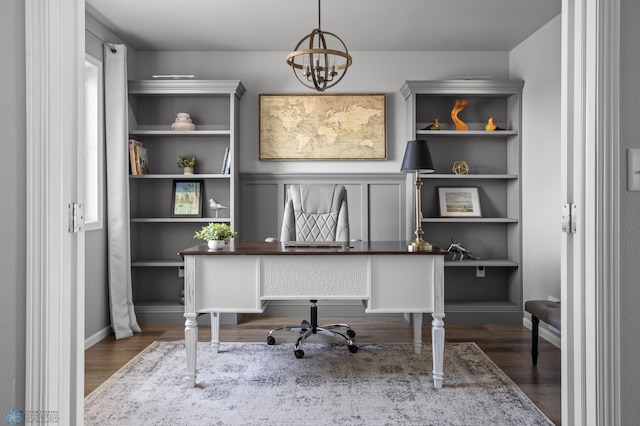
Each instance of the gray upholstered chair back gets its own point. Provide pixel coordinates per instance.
(316, 213)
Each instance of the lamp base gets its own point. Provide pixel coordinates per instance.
(415, 246)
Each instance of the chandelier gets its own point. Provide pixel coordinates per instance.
(322, 66)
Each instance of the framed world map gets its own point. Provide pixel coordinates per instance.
(323, 127)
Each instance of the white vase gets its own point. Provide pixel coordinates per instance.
(215, 244)
(187, 170)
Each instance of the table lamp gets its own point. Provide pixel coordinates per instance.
(417, 159)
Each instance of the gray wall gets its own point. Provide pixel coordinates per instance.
(537, 62)
(267, 73)
(390, 70)
(629, 216)
(12, 194)
(379, 73)
(385, 73)
(376, 203)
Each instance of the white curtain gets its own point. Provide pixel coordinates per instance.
(123, 316)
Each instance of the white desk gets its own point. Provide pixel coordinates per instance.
(244, 276)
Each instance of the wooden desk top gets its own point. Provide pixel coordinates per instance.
(277, 248)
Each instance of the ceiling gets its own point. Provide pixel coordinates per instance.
(364, 25)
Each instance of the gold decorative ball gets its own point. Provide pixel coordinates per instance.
(460, 168)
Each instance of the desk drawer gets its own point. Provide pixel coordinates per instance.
(402, 284)
(227, 284)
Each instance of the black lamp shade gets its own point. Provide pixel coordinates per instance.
(417, 157)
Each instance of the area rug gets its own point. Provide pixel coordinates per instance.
(257, 384)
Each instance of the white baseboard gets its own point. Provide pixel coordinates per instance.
(545, 331)
(96, 337)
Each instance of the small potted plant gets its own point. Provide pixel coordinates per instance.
(187, 163)
(215, 234)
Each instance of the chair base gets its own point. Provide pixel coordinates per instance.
(307, 329)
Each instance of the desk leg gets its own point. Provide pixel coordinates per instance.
(191, 341)
(437, 342)
(215, 331)
(417, 332)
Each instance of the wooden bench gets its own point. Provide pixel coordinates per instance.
(545, 311)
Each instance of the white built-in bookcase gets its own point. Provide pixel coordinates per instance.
(495, 168)
(156, 237)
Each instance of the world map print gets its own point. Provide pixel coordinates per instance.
(323, 127)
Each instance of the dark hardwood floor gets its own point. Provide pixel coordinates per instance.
(508, 346)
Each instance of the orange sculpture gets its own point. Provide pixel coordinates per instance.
(490, 127)
(459, 106)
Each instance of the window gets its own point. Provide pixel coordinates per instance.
(94, 144)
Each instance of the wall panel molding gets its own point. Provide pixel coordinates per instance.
(377, 203)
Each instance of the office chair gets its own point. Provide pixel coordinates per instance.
(315, 213)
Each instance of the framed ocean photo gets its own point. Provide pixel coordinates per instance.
(459, 201)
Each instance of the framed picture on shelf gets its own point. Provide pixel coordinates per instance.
(186, 199)
(459, 201)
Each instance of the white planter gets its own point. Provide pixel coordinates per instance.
(188, 170)
(215, 244)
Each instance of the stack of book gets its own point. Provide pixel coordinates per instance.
(138, 158)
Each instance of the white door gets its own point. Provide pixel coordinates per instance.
(55, 251)
(589, 188)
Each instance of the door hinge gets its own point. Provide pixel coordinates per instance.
(569, 218)
(76, 217)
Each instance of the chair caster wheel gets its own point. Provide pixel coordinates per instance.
(353, 349)
(299, 353)
(271, 340)
(351, 333)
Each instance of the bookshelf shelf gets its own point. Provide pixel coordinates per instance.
(183, 176)
(174, 133)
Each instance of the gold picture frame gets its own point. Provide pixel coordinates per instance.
(323, 127)
(459, 201)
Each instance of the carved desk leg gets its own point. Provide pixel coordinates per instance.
(191, 322)
(215, 331)
(437, 325)
(191, 341)
(417, 332)
(437, 342)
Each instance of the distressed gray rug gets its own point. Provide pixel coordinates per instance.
(257, 384)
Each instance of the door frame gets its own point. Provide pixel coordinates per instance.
(55, 296)
(54, 53)
(590, 181)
